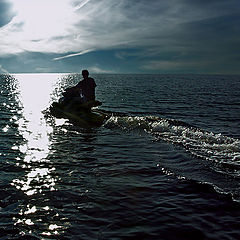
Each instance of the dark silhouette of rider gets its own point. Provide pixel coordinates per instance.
(87, 87)
(83, 92)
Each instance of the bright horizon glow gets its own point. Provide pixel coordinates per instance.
(39, 20)
(38, 24)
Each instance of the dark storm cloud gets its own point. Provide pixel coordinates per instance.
(206, 39)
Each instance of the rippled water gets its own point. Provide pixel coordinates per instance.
(164, 166)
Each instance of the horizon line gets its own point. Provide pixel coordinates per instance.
(100, 73)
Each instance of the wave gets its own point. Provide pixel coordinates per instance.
(207, 145)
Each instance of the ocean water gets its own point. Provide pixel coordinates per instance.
(165, 165)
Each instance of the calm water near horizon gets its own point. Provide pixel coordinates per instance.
(165, 165)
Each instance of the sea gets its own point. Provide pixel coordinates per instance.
(165, 165)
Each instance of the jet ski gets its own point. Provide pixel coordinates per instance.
(83, 114)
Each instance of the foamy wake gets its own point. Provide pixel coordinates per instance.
(200, 143)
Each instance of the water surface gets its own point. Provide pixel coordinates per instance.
(164, 166)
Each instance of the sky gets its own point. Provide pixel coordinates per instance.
(120, 36)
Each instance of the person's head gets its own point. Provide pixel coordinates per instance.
(85, 73)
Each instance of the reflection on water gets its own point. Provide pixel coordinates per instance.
(35, 181)
(34, 93)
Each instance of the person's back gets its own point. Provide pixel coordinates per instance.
(87, 86)
(83, 92)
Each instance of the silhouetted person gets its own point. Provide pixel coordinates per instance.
(87, 87)
(83, 92)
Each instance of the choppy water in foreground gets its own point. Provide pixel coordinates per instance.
(166, 165)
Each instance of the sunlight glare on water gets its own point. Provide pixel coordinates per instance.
(34, 97)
